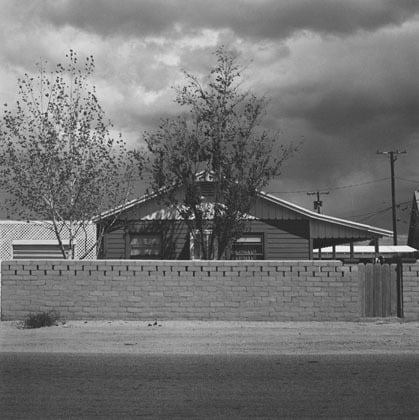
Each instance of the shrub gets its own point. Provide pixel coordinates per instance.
(41, 319)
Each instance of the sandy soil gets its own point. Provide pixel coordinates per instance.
(196, 337)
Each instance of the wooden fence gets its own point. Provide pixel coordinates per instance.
(381, 290)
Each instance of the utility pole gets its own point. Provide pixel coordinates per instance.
(318, 203)
(393, 157)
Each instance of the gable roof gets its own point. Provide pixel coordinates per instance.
(126, 206)
(273, 200)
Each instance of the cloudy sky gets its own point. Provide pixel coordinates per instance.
(340, 76)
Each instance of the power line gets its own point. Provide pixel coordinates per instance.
(332, 188)
(368, 213)
(375, 212)
(407, 180)
(358, 185)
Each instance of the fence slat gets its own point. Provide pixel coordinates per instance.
(393, 290)
(377, 290)
(386, 297)
(361, 279)
(369, 287)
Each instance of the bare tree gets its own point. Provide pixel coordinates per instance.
(221, 137)
(58, 159)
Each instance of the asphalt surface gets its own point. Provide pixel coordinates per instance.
(61, 385)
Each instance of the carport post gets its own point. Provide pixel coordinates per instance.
(376, 249)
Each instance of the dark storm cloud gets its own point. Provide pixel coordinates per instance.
(258, 19)
(343, 110)
(366, 83)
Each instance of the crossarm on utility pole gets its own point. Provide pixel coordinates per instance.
(318, 203)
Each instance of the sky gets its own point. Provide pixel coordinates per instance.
(341, 79)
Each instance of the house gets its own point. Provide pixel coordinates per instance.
(413, 236)
(148, 228)
(37, 240)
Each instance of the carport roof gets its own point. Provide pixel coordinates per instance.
(324, 218)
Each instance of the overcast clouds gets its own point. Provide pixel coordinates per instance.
(342, 75)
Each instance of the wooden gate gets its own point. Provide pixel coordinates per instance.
(381, 292)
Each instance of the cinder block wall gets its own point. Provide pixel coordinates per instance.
(201, 290)
(411, 291)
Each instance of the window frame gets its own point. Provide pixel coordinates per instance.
(132, 235)
(260, 243)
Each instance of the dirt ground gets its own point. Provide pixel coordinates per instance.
(215, 337)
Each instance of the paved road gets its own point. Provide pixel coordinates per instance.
(65, 385)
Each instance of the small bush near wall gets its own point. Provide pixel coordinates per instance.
(41, 319)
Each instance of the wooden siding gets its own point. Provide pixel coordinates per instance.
(114, 245)
(175, 239)
(285, 240)
(321, 229)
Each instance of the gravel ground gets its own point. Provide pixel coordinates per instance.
(198, 337)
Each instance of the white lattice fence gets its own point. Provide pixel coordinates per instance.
(34, 230)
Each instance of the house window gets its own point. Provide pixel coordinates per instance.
(196, 252)
(144, 246)
(248, 247)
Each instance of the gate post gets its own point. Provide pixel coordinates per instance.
(399, 270)
(361, 289)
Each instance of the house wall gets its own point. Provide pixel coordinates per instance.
(283, 239)
(145, 290)
(175, 239)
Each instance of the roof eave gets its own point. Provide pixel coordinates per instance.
(324, 218)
